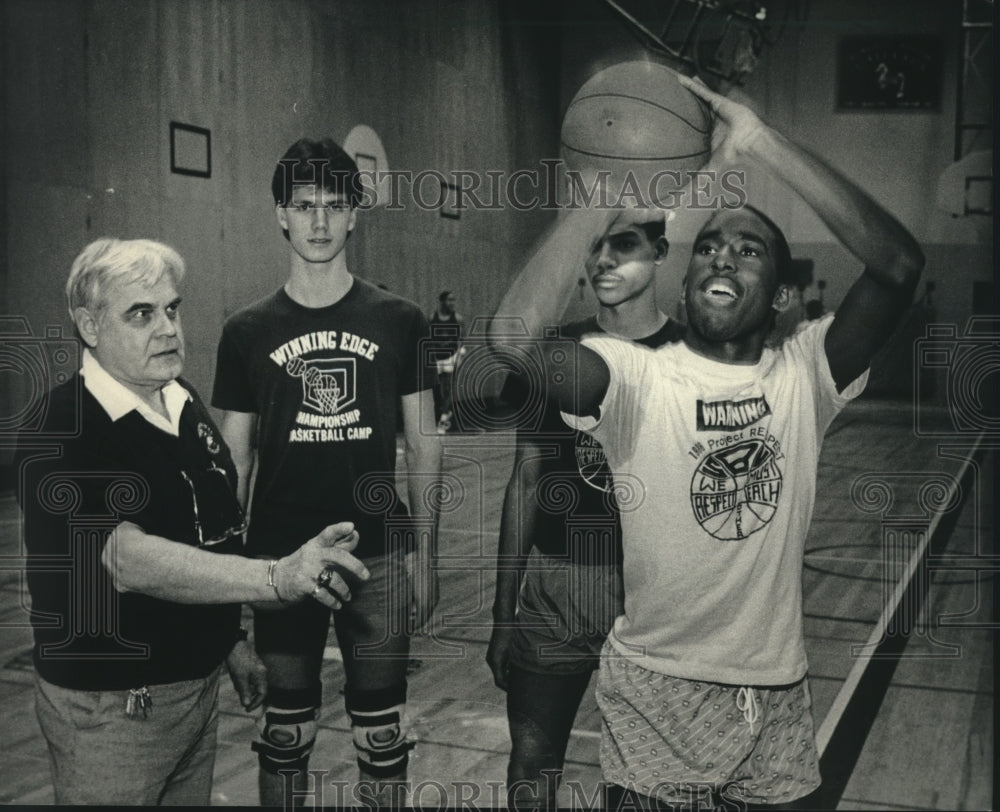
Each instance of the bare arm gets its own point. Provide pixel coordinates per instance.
(423, 453)
(246, 670)
(538, 297)
(517, 522)
(423, 466)
(891, 257)
(238, 430)
(248, 674)
(169, 570)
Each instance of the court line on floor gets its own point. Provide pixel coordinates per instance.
(825, 731)
(911, 686)
(843, 733)
(886, 805)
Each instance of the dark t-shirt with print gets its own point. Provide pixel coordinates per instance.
(325, 383)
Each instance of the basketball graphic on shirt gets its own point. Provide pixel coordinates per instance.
(735, 490)
(327, 385)
(592, 464)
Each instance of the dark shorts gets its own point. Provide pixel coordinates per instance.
(668, 738)
(277, 531)
(373, 621)
(564, 613)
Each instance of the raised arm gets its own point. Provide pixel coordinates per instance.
(891, 257)
(538, 297)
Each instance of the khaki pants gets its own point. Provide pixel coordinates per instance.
(98, 755)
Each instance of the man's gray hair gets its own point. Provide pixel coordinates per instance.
(108, 261)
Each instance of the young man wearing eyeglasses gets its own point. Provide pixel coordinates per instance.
(135, 554)
(310, 380)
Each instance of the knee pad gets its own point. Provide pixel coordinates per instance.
(378, 722)
(287, 729)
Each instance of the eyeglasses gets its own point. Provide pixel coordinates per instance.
(218, 508)
(311, 207)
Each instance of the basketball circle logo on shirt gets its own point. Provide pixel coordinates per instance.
(328, 385)
(592, 464)
(735, 490)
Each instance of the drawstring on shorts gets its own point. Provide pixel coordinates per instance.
(746, 701)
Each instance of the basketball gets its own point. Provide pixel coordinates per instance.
(636, 117)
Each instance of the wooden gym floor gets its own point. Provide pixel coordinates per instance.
(909, 728)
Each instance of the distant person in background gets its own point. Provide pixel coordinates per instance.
(814, 309)
(447, 329)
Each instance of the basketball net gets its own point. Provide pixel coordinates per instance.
(719, 40)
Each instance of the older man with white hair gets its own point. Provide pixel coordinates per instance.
(135, 539)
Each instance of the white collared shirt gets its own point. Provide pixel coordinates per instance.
(118, 400)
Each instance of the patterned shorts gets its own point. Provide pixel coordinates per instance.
(675, 739)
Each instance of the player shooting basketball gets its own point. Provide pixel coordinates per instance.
(707, 664)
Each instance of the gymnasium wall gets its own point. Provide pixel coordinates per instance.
(89, 89)
(897, 157)
(90, 86)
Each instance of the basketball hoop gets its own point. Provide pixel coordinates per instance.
(720, 39)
